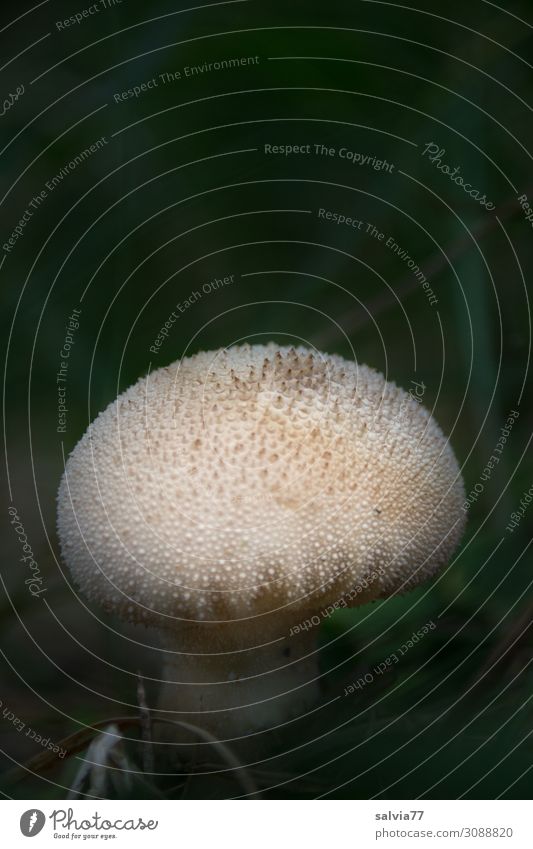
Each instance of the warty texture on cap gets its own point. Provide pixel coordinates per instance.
(242, 481)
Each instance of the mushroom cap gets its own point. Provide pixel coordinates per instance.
(253, 479)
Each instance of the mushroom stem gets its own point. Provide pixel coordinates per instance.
(212, 677)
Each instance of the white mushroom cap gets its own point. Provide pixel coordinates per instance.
(255, 479)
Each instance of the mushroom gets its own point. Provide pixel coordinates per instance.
(235, 497)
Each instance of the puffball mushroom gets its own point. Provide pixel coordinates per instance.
(236, 495)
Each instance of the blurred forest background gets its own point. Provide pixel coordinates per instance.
(184, 193)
